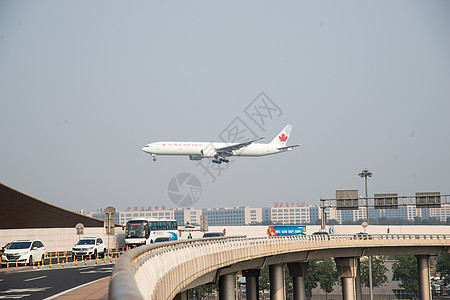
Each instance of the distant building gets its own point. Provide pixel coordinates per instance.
(216, 216)
(233, 216)
(122, 217)
(185, 215)
(409, 212)
(278, 214)
(291, 214)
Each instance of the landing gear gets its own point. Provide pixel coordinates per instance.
(154, 157)
(219, 160)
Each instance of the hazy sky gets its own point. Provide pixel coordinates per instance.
(84, 85)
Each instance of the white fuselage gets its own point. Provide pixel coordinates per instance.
(208, 149)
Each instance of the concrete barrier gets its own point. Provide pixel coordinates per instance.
(162, 271)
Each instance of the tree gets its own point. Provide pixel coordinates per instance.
(405, 268)
(379, 270)
(432, 221)
(203, 290)
(327, 275)
(332, 222)
(264, 280)
(288, 284)
(443, 266)
(312, 276)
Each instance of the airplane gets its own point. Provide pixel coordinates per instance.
(221, 151)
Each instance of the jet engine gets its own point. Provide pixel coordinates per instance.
(196, 156)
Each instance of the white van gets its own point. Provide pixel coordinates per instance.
(23, 252)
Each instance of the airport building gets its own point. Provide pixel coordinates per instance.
(291, 214)
(232, 216)
(122, 217)
(441, 213)
(278, 214)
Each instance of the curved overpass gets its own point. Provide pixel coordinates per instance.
(165, 271)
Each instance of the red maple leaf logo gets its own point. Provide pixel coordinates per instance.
(283, 137)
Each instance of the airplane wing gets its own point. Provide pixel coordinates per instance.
(228, 150)
(288, 147)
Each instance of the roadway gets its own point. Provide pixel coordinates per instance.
(27, 282)
(32, 284)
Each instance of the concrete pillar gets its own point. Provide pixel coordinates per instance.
(227, 287)
(276, 276)
(251, 283)
(182, 296)
(358, 280)
(299, 291)
(423, 268)
(346, 268)
(347, 288)
(298, 272)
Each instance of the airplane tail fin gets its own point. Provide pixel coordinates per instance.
(281, 139)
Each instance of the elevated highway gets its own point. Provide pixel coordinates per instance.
(168, 270)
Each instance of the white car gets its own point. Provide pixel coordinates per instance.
(89, 246)
(23, 252)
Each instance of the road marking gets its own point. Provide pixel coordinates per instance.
(25, 290)
(96, 271)
(72, 289)
(15, 296)
(20, 296)
(35, 278)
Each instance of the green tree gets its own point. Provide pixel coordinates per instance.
(443, 267)
(332, 222)
(327, 275)
(312, 276)
(202, 290)
(405, 268)
(288, 284)
(264, 280)
(379, 270)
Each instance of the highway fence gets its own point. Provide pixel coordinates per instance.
(160, 271)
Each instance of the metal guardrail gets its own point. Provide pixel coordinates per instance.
(163, 257)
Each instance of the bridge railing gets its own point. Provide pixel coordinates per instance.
(140, 270)
(123, 284)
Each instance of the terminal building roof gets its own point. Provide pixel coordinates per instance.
(18, 211)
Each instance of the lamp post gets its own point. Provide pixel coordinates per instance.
(364, 174)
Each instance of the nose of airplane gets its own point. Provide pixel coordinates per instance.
(145, 148)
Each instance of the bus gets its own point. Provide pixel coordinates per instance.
(286, 230)
(144, 231)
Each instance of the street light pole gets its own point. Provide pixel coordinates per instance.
(323, 222)
(366, 173)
